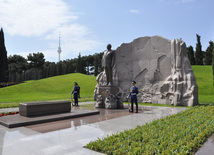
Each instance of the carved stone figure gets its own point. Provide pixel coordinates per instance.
(110, 101)
(108, 63)
(160, 67)
(99, 103)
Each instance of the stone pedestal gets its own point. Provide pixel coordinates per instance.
(109, 97)
(103, 91)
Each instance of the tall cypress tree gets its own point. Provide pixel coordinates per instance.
(198, 53)
(191, 55)
(213, 66)
(3, 59)
(96, 63)
(80, 68)
(208, 53)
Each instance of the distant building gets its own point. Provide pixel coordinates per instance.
(59, 48)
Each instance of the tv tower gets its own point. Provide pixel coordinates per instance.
(59, 48)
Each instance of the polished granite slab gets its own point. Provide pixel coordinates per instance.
(12, 121)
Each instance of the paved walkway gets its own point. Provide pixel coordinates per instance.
(70, 136)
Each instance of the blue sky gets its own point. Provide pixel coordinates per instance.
(87, 26)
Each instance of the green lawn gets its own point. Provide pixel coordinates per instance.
(53, 88)
(204, 79)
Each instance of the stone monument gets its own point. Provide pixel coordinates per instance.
(108, 95)
(160, 67)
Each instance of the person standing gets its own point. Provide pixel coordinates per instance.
(133, 95)
(108, 63)
(75, 92)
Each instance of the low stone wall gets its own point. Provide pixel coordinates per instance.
(44, 108)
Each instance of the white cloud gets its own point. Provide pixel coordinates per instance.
(45, 19)
(33, 17)
(75, 39)
(135, 11)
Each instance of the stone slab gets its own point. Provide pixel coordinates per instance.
(44, 108)
(13, 121)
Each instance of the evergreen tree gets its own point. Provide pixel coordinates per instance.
(17, 64)
(53, 69)
(36, 63)
(198, 53)
(208, 53)
(80, 68)
(213, 65)
(3, 59)
(71, 67)
(100, 67)
(191, 55)
(59, 68)
(96, 65)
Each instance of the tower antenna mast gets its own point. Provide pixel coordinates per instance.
(59, 48)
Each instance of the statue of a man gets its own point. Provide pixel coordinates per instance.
(108, 63)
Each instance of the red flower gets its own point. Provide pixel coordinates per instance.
(8, 113)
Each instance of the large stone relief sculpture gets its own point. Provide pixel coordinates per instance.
(159, 66)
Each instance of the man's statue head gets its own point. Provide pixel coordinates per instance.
(109, 47)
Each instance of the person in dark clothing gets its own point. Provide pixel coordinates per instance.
(133, 95)
(76, 92)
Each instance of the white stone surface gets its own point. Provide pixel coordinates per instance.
(161, 69)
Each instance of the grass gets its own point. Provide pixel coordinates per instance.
(204, 79)
(53, 88)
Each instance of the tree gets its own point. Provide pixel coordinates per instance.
(47, 69)
(96, 63)
(3, 59)
(71, 66)
(80, 67)
(198, 52)
(191, 55)
(17, 64)
(89, 63)
(59, 68)
(213, 66)
(53, 69)
(208, 53)
(36, 63)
